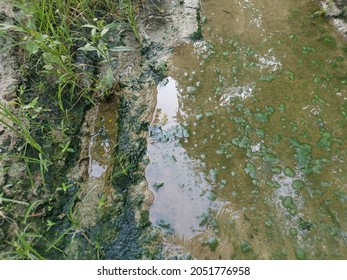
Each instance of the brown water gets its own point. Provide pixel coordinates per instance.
(99, 149)
(248, 143)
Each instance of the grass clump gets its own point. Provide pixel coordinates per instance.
(51, 34)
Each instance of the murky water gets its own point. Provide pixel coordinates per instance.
(99, 149)
(248, 144)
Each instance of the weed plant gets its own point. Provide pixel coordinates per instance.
(128, 8)
(50, 32)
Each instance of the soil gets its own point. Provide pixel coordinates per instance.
(8, 82)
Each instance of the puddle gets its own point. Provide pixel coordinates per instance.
(175, 179)
(249, 135)
(101, 147)
(101, 124)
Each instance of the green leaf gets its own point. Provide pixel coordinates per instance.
(104, 31)
(50, 58)
(49, 67)
(2, 199)
(88, 48)
(112, 25)
(5, 26)
(108, 79)
(121, 49)
(93, 32)
(90, 26)
(42, 38)
(31, 105)
(32, 47)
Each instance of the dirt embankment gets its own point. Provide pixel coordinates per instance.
(8, 140)
(124, 226)
(8, 83)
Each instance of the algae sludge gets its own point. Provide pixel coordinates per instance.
(247, 147)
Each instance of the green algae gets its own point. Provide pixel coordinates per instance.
(303, 156)
(293, 231)
(212, 196)
(241, 142)
(307, 49)
(298, 185)
(304, 225)
(268, 223)
(262, 117)
(290, 75)
(317, 80)
(274, 184)
(288, 203)
(199, 116)
(329, 40)
(325, 184)
(289, 172)
(318, 99)
(268, 78)
(277, 138)
(269, 157)
(276, 170)
(282, 108)
(212, 244)
(245, 246)
(300, 254)
(157, 186)
(209, 219)
(325, 141)
(260, 132)
(250, 170)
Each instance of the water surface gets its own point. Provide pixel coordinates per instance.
(256, 165)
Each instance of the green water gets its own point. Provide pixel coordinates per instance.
(263, 103)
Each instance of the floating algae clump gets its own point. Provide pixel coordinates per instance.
(276, 170)
(289, 172)
(325, 140)
(298, 185)
(300, 254)
(250, 170)
(288, 203)
(293, 231)
(212, 243)
(245, 246)
(303, 156)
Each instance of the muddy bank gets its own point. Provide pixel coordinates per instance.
(8, 76)
(8, 141)
(90, 199)
(128, 233)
